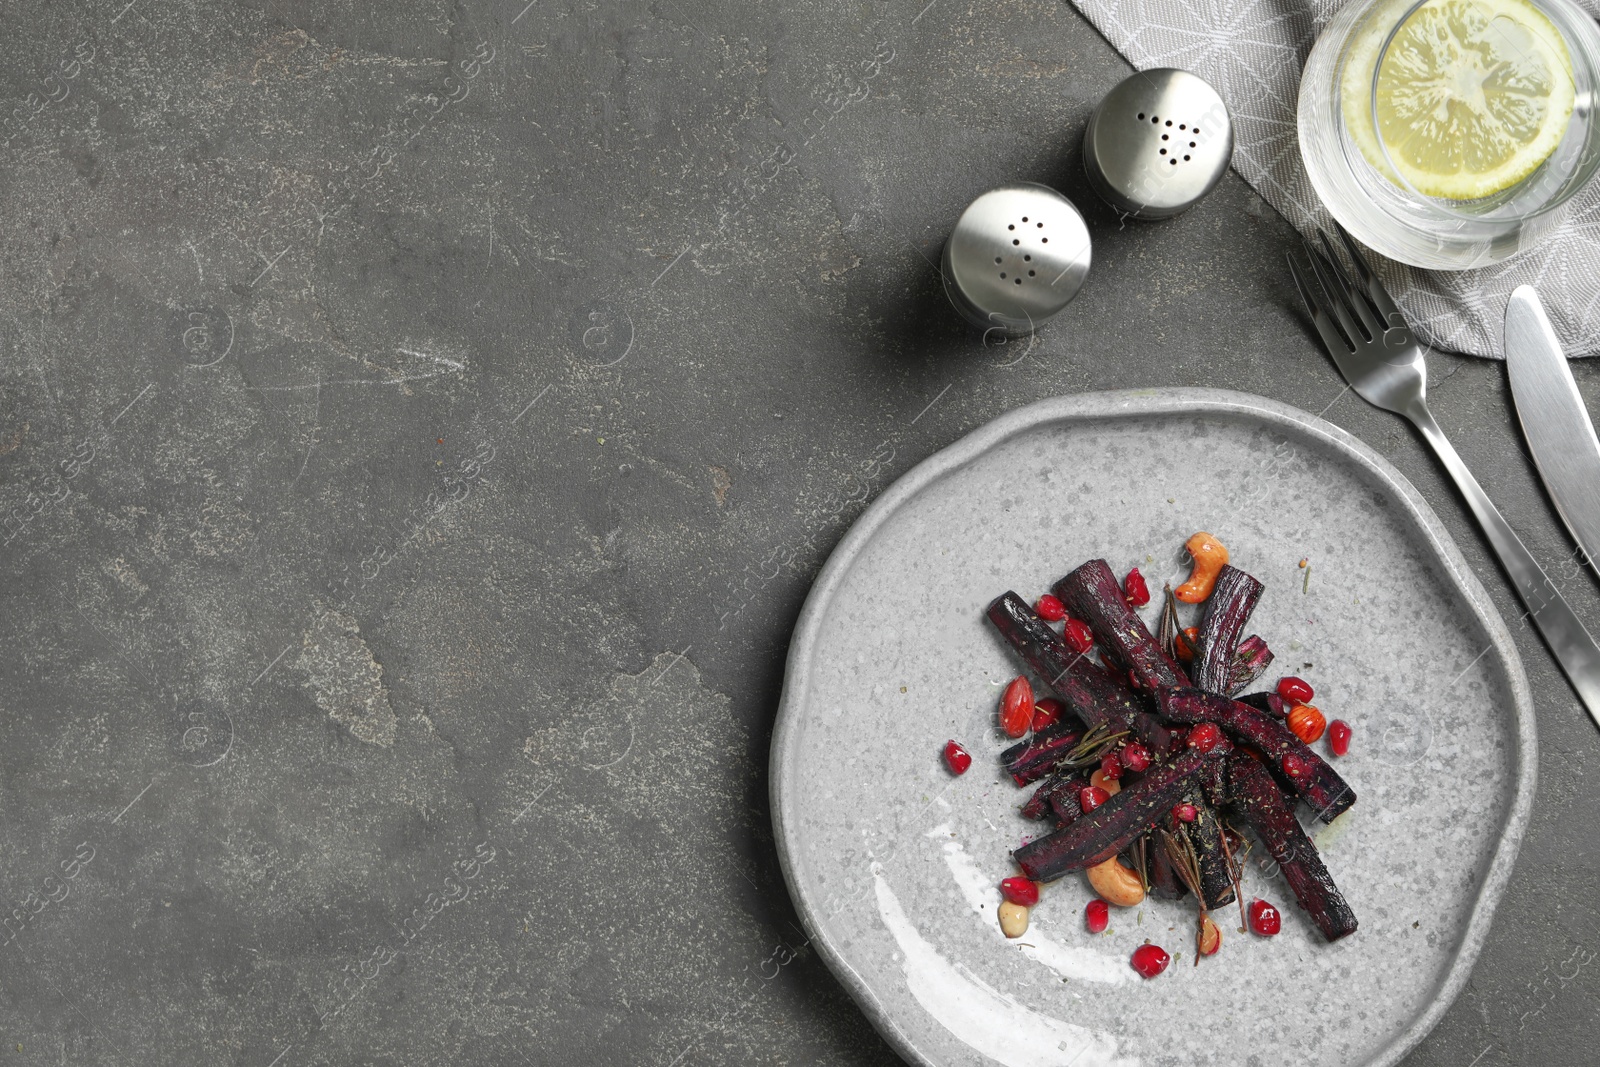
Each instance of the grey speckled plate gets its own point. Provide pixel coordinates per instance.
(893, 862)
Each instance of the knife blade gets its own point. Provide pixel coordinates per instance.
(1554, 419)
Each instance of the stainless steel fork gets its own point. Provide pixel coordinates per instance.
(1381, 359)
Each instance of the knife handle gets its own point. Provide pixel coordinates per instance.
(1574, 649)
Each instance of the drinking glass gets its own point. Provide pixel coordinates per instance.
(1352, 165)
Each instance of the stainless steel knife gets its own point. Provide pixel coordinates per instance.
(1554, 419)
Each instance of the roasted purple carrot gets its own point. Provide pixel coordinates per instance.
(1031, 759)
(1320, 786)
(1205, 834)
(1066, 803)
(1091, 593)
(1107, 830)
(1089, 692)
(1232, 600)
(1251, 659)
(1260, 804)
(1063, 783)
(1271, 703)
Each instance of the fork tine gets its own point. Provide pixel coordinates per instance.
(1336, 298)
(1335, 344)
(1369, 280)
(1354, 298)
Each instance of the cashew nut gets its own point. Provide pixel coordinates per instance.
(1116, 883)
(1013, 919)
(1111, 785)
(1209, 557)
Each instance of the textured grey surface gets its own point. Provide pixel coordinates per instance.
(698, 240)
(900, 886)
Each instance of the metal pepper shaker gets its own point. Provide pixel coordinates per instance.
(1158, 143)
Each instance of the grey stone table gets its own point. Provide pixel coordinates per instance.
(418, 430)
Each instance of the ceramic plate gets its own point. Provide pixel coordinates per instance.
(893, 862)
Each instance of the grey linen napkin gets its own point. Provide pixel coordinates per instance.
(1252, 52)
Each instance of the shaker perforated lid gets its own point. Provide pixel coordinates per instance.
(1017, 256)
(1158, 143)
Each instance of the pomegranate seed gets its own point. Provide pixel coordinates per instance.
(1210, 937)
(1295, 765)
(1016, 707)
(1078, 636)
(1134, 589)
(1097, 913)
(1045, 712)
(1306, 722)
(956, 758)
(1295, 690)
(1339, 737)
(1264, 918)
(1185, 812)
(1150, 960)
(1111, 766)
(1135, 757)
(1051, 609)
(1205, 736)
(1091, 797)
(1020, 891)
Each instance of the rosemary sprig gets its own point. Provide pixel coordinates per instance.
(1180, 850)
(1167, 628)
(1187, 866)
(1095, 744)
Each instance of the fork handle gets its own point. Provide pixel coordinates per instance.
(1574, 649)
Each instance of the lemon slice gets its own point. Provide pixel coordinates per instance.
(1472, 95)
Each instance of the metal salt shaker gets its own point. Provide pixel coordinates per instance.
(1016, 257)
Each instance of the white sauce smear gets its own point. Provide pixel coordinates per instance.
(983, 895)
(980, 1016)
